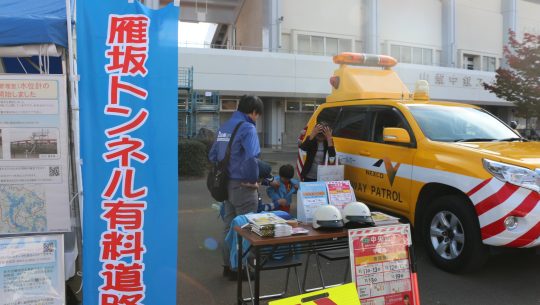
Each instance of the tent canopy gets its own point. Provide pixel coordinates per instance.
(33, 22)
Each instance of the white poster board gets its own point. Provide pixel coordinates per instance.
(32, 270)
(34, 193)
(340, 193)
(311, 195)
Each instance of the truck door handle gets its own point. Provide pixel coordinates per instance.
(364, 153)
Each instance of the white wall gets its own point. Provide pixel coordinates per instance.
(249, 26)
(340, 17)
(479, 26)
(291, 75)
(528, 17)
(411, 22)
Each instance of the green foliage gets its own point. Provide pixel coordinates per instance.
(192, 158)
(519, 82)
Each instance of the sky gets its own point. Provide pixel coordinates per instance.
(195, 35)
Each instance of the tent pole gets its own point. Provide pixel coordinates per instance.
(74, 102)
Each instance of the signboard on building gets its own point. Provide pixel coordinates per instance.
(128, 64)
(34, 194)
(32, 270)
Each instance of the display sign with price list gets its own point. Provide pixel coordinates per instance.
(381, 265)
(34, 173)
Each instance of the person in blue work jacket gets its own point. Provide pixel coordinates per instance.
(243, 170)
(282, 188)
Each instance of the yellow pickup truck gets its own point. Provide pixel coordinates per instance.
(461, 176)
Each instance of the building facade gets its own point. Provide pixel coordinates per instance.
(281, 50)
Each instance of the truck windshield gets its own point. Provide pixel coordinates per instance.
(460, 124)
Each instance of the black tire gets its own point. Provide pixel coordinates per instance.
(459, 242)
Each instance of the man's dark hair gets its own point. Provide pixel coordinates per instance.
(286, 171)
(250, 103)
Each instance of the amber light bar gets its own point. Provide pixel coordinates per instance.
(360, 59)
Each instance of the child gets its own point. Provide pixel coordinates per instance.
(282, 188)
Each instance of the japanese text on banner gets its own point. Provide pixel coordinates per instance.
(123, 200)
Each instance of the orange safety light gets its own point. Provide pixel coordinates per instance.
(361, 59)
(334, 81)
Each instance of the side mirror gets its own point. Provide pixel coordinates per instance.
(396, 135)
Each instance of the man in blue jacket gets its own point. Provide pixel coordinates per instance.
(243, 170)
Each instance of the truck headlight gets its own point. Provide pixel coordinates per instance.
(517, 175)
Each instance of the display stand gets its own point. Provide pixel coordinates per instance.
(383, 266)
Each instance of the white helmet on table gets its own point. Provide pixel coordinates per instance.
(327, 217)
(357, 215)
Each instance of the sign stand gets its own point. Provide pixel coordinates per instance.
(383, 265)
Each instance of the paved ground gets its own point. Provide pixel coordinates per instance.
(511, 278)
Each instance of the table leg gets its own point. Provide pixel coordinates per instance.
(240, 252)
(257, 275)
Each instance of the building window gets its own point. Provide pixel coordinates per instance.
(229, 105)
(302, 106)
(345, 45)
(471, 62)
(427, 57)
(489, 63)
(358, 46)
(293, 106)
(332, 45)
(304, 44)
(321, 45)
(412, 55)
(437, 58)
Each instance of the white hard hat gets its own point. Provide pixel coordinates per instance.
(357, 215)
(327, 216)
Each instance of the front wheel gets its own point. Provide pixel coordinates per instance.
(452, 236)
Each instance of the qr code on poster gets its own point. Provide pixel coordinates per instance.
(54, 171)
(48, 247)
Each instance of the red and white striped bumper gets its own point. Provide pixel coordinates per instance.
(494, 201)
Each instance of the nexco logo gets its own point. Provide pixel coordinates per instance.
(391, 170)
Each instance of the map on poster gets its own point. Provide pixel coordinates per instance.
(34, 194)
(31, 270)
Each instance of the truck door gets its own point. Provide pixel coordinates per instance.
(390, 169)
(351, 134)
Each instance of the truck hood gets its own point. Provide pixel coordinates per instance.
(526, 154)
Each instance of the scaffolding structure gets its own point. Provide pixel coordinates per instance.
(196, 109)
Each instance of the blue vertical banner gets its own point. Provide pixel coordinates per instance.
(128, 91)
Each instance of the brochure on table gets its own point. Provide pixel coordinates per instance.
(340, 193)
(381, 265)
(312, 195)
(32, 270)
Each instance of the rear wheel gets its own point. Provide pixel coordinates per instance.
(452, 236)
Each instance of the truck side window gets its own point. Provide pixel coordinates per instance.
(387, 118)
(353, 123)
(329, 115)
